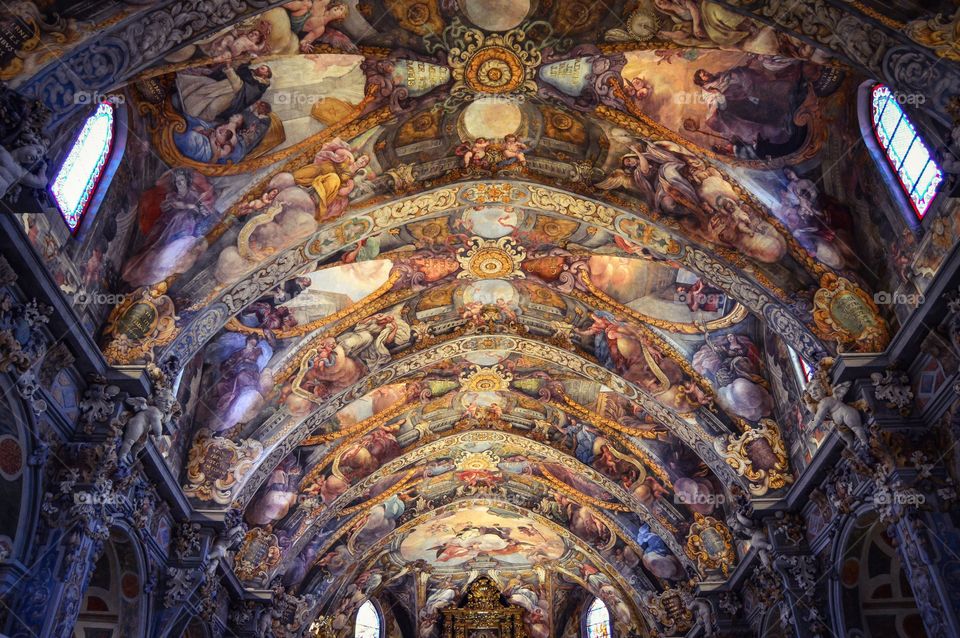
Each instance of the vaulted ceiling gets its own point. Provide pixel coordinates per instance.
(465, 287)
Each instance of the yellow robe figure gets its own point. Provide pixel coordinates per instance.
(326, 178)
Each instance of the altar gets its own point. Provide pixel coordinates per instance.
(484, 615)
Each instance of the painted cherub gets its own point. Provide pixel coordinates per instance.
(312, 17)
(513, 149)
(239, 42)
(258, 204)
(474, 152)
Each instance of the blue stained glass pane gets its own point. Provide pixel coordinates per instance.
(76, 181)
(368, 622)
(598, 620)
(906, 151)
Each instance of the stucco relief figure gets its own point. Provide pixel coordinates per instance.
(825, 402)
(24, 166)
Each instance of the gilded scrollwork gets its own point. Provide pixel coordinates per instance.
(710, 544)
(758, 455)
(216, 466)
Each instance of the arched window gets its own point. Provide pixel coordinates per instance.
(598, 620)
(801, 368)
(907, 153)
(368, 622)
(80, 174)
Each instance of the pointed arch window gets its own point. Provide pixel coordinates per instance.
(906, 152)
(368, 623)
(598, 620)
(80, 174)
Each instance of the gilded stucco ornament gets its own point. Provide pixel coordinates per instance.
(259, 554)
(491, 259)
(490, 64)
(669, 610)
(482, 612)
(759, 455)
(480, 379)
(844, 313)
(139, 324)
(710, 543)
(216, 466)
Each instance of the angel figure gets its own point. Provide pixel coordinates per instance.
(149, 419)
(25, 166)
(332, 176)
(474, 152)
(312, 18)
(240, 41)
(826, 401)
(513, 150)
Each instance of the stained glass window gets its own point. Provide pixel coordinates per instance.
(598, 620)
(907, 153)
(80, 174)
(368, 622)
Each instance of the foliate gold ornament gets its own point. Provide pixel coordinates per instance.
(844, 313)
(420, 17)
(484, 614)
(142, 322)
(480, 379)
(758, 455)
(322, 627)
(492, 192)
(669, 609)
(478, 461)
(494, 69)
(483, 594)
(940, 33)
(259, 554)
(491, 259)
(216, 466)
(710, 543)
(482, 63)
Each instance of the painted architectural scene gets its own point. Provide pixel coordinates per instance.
(479, 319)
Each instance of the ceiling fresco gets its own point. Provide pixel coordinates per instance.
(472, 287)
